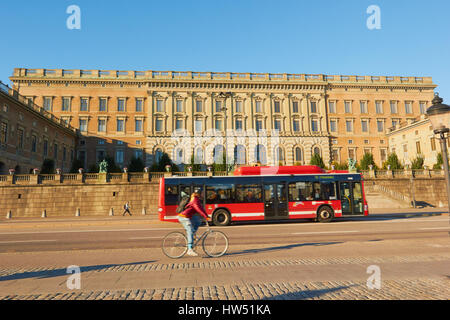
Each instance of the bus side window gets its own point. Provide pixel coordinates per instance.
(248, 193)
(171, 195)
(299, 191)
(328, 191)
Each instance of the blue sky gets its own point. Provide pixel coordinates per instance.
(329, 37)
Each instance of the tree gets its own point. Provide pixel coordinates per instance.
(112, 167)
(417, 163)
(76, 164)
(136, 165)
(340, 166)
(195, 166)
(439, 161)
(366, 161)
(160, 166)
(393, 161)
(316, 160)
(48, 166)
(218, 167)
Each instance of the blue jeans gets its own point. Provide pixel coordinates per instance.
(191, 225)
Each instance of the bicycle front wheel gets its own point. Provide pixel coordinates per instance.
(215, 244)
(175, 245)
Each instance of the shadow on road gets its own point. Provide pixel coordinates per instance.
(286, 247)
(43, 274)
(370, 217)
(307, 294)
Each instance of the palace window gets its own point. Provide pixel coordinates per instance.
(277, 124)
(378, 107)
(159, 125)
(393, 105)
(423, 107)
(179, 106)
(139, 104)
(258, 106)
(239, 106)
(313, 107)
(198, 106)
(102, 106)
(333, 125)
(348, 106)
(3, 132)
(178, 124)
(47, 103)
(138, 125)
(363, 106)
(296, 125)
(380, 125)
(332, 106)
(408, 107)
(120, 125)
(238, 124)
(121, 104)
(276, 107)
(295, 106)
(101, 125)
(66, 104)
(84, 104)
(198, 125)
(349, 125)
(365, 125)
(159, 105)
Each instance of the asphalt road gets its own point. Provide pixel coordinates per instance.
(149, 234)
(122, 259)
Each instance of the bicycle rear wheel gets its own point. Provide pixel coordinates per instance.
(215, 243)
(175, 245)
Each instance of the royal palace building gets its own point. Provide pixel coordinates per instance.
(255, 117)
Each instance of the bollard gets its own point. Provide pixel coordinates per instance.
(111, 212)
(44, 214)
(77, 212)
(144, 211)
(9, 215)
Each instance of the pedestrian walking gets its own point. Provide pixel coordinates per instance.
(126, 209)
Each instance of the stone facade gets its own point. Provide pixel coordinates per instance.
(133, 113)
(29, 134)
(416, 137)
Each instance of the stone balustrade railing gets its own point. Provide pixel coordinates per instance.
(94, 178)
(386, 174)
(140, 177)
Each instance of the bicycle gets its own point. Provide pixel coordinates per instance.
(214, 243)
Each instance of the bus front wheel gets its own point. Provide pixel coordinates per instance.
(221, 218)
(325, 214)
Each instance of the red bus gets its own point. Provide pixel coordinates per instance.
(269, 193)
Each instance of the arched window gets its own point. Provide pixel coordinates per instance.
(218, 154)
(260, 154)
(239, 154)
(279, 155)
(198, 156)
(158, 155)
(298, 155)
(316, 150)
(178, 156)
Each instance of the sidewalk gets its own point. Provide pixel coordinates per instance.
(51, 222)
(37, 222)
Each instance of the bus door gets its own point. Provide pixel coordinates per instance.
(275, 201)
(351, 198)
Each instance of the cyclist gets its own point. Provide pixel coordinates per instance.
(191, 220)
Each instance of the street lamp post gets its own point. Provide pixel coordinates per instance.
(439, 115)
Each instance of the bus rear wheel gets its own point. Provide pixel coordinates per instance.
(325, 214)
(221, 218)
